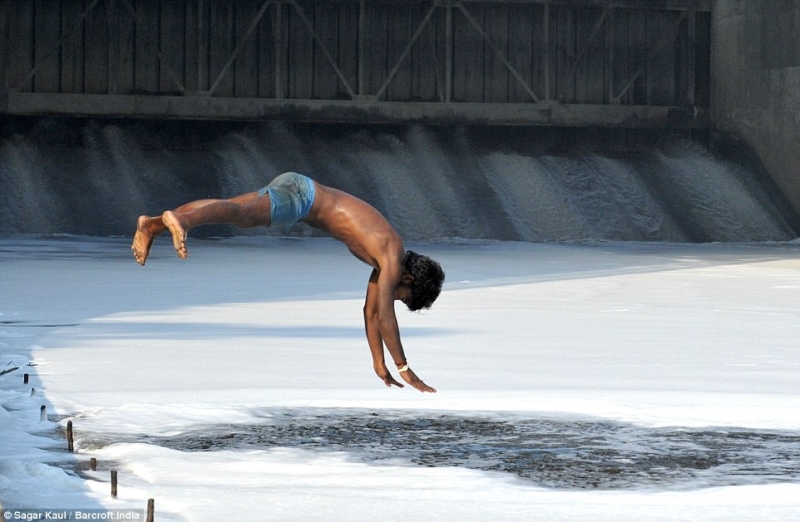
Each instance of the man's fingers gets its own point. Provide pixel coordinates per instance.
(390, 381)
(424, 388)
(417, 383)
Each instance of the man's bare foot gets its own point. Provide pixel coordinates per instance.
(178, 233)
(143, 239)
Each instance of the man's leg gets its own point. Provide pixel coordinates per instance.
(246, 210)
(147, 228)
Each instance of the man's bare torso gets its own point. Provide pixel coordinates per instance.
(357, 224)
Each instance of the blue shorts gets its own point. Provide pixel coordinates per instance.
(290, 198)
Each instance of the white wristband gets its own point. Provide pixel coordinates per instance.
(403, 369)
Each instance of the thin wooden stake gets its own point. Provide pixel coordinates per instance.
(114, 483)
(70, 441)
(151, 508)
(93, 464)
(25, 378)
(43, 413)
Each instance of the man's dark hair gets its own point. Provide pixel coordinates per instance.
(428, 278)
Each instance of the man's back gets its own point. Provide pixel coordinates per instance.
(357, 224)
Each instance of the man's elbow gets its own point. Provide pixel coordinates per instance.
(370, 313)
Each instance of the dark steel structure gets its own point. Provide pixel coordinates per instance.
(617, 63)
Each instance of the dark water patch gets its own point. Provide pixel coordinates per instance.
(548, 453)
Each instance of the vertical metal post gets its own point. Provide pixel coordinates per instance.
(70, 439)
(5, 43)
(547, 95)
(448, 72)
(200, 45)
(692, 51)
(547, 51)
(362, 45)
(277, 48)
(435, 60)
(114, 483)
(113, 25)
(609, 62)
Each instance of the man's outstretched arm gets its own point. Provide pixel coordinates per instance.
(381, 325)
(374, 338)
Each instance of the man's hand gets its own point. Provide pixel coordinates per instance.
(411, 378)
(386, 377)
